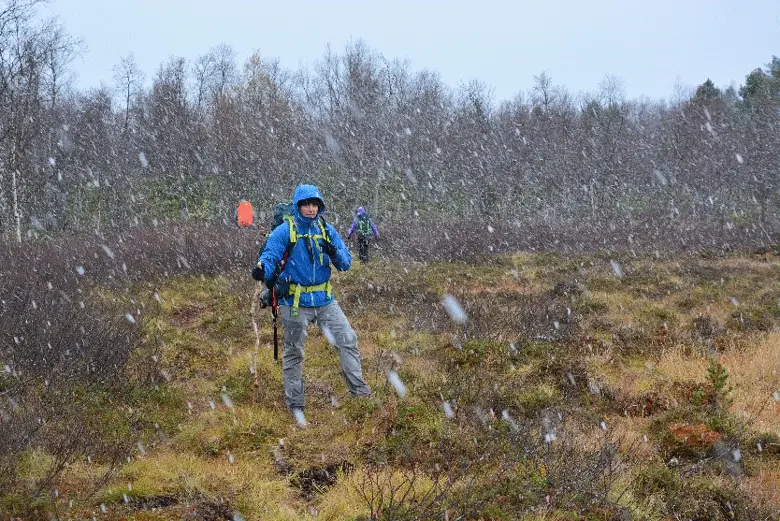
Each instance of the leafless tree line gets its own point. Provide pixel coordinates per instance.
(371, 131)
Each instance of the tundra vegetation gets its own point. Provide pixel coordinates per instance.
(572, 313)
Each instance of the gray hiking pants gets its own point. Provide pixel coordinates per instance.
(334, 324)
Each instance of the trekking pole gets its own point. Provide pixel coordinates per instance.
(274, 313)
(253, 313)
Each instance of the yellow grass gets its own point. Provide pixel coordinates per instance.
(754, 374)
(195, 461)
(342, 502)
(262, 493)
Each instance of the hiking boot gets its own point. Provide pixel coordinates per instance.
(366, 400)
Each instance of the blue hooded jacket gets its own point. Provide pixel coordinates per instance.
(307, 264)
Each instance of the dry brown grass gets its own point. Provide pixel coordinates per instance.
(764, 264)
(189, 478)
(763, 490)
(754, 374)
(632, 433)
(194, 463)
(623, 380)
(677, 366)
(709, 286)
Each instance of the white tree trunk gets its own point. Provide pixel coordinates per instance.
(17, 214)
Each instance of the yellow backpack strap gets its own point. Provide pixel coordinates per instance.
(291, 224)
(323, 230)
(323, 234)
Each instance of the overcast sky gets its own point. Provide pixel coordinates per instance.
(651, 45)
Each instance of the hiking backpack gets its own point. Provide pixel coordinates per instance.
(282, 210)
(363, 226)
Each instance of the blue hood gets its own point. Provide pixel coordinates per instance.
(303, 192)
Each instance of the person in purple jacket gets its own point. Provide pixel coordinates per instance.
(364, 228)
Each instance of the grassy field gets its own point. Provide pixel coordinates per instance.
(577, 388)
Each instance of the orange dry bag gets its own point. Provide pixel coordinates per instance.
(244, 215)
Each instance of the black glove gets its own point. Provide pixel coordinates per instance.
(281, 288)
(257, 272)
(328, 248)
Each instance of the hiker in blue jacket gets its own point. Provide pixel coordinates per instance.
(297, 262)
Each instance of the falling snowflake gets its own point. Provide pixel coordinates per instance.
(448, 412)
(453, 309)
(617, 269)
(508, 418)
(332, 145)
(397, 384)
(736, 454)
(329, 335)
(410, 175)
